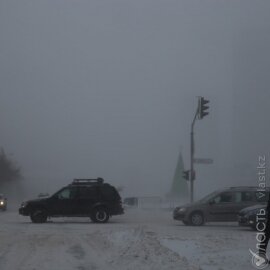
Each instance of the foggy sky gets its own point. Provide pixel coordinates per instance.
(108, 88)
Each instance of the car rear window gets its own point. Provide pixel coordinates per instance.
(244, 196)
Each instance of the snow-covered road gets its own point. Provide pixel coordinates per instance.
(141, 240)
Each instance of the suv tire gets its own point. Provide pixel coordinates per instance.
(196, 219)
(100, 215)
(38, 216)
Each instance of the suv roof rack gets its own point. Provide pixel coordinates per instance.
(83, 181)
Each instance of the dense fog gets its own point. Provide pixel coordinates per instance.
(109, 89)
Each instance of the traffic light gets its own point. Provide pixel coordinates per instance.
(186, 175)
(202, 108)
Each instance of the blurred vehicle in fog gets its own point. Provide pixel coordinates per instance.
(253, 216)
(221, 205)
(143, 202)
(3, 202)
(130, 202)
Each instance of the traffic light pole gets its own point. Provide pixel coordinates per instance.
(201, 112)
(192, 150)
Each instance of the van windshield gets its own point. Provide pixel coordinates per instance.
(208, 197)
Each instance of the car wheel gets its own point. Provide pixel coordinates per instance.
(196, 219)
(39, 216)
(258, 227)
(100, 215)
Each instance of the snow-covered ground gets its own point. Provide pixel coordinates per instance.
(141, 240)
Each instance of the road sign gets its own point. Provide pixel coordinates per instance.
(203, 160)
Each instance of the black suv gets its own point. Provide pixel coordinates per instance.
(82, 198)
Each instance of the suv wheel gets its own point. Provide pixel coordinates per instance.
(38, 216)
(197, 219)
(100, 215)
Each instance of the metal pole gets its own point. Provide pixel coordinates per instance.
(191, 166)
(192, 149)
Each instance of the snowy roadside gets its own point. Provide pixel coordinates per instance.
(136, 240)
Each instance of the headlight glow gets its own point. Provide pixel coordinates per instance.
(24, 204)
(2, 203)
(182, 209)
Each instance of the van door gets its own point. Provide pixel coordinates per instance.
(221, 207)
(243, 199)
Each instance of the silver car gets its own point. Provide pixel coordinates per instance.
(221, 205)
